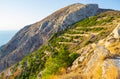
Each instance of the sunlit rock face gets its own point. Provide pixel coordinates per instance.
(116, 32)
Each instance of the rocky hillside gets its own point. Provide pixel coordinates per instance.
(99, 60)
(31, 37)
(88, 49)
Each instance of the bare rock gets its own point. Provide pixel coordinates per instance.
(84, 53)
(116, 31)
(100, 54)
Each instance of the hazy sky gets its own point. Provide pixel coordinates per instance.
(15, 14)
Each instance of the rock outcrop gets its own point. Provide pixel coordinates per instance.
(116, 32)
(31, 37)
(104, 61)
(95, 63)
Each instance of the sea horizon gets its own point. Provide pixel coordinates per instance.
(6, 36)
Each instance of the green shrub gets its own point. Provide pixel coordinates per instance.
(87, 22)
(63, 59)
(73, 56)
(106, 20)
(88, 42)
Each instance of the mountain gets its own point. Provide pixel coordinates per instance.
(88, 48)
(31, 37)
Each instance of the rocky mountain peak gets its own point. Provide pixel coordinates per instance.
(31, 37)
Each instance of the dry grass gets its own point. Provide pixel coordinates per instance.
(114, 48)
(71, 76)
(95, 71)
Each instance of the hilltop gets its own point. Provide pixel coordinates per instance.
(31, 37)
(82, 43)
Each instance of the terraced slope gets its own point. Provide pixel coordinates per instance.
(67, 53)
(87, 31)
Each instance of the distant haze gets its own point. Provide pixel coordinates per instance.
(15, 14)
(5, 36)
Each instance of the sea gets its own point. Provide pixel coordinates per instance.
(5, 36)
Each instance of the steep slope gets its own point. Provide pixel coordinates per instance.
(31, 37)
(86, 50)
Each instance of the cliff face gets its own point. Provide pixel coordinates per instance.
(31, 37)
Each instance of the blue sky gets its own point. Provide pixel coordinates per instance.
(15, 14)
